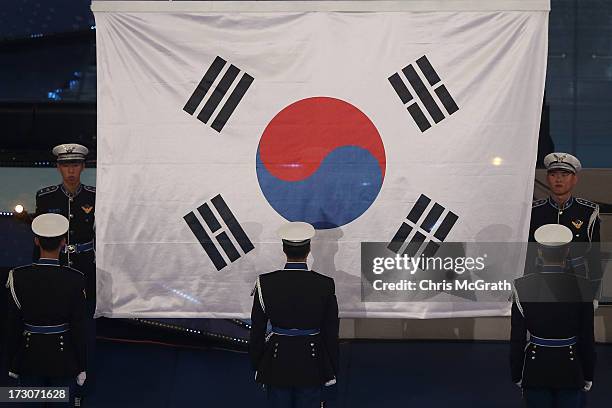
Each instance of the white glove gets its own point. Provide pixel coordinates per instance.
(81, 378)
(330, 382)
(13, 375)
(587, 386)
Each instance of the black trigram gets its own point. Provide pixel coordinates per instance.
(422, 92)
(219, 232)
(429, 231)
(218, 93)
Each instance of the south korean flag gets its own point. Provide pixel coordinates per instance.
(405, 123)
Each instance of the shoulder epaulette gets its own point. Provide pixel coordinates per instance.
(91, 189)
(21, 267)
(263, 275)
(324, 278)
(527, 276)
(537, 203)
(75, 270)
(586, 203)
(521, 280)
(46, 190)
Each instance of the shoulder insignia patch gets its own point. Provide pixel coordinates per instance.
(21, 267)
(586, 203)
(91, 189)
(537, 203)
(46, 190)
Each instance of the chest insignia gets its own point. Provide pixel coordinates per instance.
(577, 223)
(87, 208)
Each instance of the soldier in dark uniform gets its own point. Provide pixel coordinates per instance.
(76, 202)
(300, 353)
(552, 353)
(579, 215)
(46, 314)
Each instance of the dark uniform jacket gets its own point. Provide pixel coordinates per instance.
(294, 298)
(582, 218)
(46, 294)
(79, 208)
(535, 313)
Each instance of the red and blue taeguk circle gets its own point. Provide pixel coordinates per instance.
(322, 161)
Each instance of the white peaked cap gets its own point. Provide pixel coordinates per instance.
(553, 235)
(50, 225)
(562, 161)
(70, 152)
(296, 233)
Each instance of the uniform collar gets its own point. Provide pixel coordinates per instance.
(68, 193)
(300, 266)
(565, 205)
(48, 261)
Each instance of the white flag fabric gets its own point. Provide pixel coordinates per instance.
(220, 121)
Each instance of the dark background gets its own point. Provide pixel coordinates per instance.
(48, 81)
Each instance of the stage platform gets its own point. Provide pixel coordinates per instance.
(373, 374)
